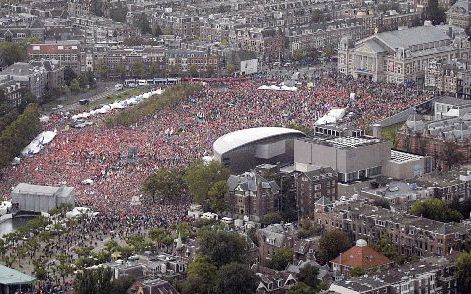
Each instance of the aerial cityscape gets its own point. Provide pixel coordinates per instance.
(240, 146)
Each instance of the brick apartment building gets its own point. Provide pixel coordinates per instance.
(429, 275)
(267, 43)
(312, 185)
(66, 52)
(183, 60)
(252, 195)
(413, 236)
(436, 138)
(449, 77)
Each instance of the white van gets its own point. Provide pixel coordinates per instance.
(227, 220)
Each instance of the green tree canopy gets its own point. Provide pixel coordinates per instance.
(93, 281)
(201, 276)
(436, 209)
(463, 271)
(200, 177)
(165, 184)
(122, 284)
(331, 245)
(308, 275)
(236, 278)
(216, 195)
(281, 259)
(301, 288)
(356, 272)
(435, 13)
(222, 247)
(11, 53)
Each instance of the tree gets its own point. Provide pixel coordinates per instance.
(69, 75)
(102, 69)
(138, 69)
(281, 259)
(436, 209)
(386, 247)
(91, 80)
(435, 13)
(166, 184)
(157, 235)
(122, 284)
(121, 70)
(96, 7)
(302, 128)
(331, 245)
(119, 13)
(451, 155)
(193, 70)
(93, 281)
(356, 272)
(308, 229)
(75, 86)
(316, 16)
(201, 275)
(156, 31)
(382, 202)
(463, 271)
(64, 268)
(271, 218)
(230, 69)
(216, 195)
(143, 24)
(19, 133)
(298, 55)
(222, 247)
(235, 278)
(11, 53)
(300, 288)
(200, 177)
(209, 71)
(308, 275)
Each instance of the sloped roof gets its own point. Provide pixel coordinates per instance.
(240, 138)
(9, 276)
(363, 257)
(413, 36)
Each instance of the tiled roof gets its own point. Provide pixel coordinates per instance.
(363, 257)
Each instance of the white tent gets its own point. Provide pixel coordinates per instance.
(332, 116)
(87, 182)
(39, 142)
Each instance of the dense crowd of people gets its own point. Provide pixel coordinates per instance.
(178, 135)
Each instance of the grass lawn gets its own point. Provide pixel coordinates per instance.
(119, 96)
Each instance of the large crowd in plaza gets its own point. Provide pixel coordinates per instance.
(178, 135)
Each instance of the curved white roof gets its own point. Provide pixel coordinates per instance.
(239, 138)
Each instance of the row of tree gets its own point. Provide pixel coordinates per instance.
(171, 97)
(19, 133)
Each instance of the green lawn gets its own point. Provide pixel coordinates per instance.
(119, 96)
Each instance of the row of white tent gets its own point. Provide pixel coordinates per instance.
(277, 88)
(118, 105)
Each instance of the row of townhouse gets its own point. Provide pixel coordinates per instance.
(81, 58)
(413, 236)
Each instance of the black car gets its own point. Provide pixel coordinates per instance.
(84, 101)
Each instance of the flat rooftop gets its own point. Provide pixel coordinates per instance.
(403, 157)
